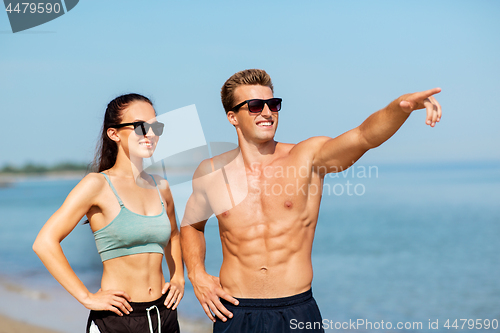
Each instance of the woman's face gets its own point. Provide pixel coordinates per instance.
(138, 145)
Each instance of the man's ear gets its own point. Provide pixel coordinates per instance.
(113, 134)
(231, 116)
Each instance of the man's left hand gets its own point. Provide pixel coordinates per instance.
(420, 100)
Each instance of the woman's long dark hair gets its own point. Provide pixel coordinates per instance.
(107, 149)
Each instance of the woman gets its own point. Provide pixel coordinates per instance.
(132, 216)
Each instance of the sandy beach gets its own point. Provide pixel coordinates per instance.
(9, 325)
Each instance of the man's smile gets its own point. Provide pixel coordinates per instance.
(265, 123)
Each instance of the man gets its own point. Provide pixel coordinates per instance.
(266, 197)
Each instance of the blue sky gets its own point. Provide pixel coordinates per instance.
(332, 62)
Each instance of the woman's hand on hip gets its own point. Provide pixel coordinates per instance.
(110, 300)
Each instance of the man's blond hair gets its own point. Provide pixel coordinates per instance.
(247, 77)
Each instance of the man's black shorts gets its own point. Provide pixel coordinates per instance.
(144, 318)
(298, 313)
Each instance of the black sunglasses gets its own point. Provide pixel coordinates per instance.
(142, 127)
(257, 105)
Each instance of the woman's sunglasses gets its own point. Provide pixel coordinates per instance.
(142, 127)
(257, 105)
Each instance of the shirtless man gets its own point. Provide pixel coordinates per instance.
(267, 225)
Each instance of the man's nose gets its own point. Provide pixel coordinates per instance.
(266, 112)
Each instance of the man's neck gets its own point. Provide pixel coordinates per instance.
(261, 153)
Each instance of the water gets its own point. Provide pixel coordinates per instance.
(419, 245)
(404, 244)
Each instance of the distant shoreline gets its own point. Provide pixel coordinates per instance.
(10, 178)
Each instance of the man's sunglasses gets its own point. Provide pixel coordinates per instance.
(142, 127)
(257, 105)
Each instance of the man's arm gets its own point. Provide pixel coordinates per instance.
(207, 288)
(337, 154)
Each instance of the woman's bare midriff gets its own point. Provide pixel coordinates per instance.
(139, 275)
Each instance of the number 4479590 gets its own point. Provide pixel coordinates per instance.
(34, 8)
(472, 324)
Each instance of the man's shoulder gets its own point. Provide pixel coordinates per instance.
(217, 162)
(203, 169)
(309, 145)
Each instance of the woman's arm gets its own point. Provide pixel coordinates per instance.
(173, 255)
(48, 248)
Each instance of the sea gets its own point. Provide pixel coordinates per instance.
(398, 248)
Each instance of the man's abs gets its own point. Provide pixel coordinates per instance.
(267, 259)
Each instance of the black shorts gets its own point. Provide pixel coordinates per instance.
(138, 320)
(298, 313)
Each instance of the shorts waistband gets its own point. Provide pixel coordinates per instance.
(140, 307)
(271, 302)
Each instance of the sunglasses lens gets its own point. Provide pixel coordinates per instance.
(255, 106)
(274, 104)
(141, 128)
(157, 128)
